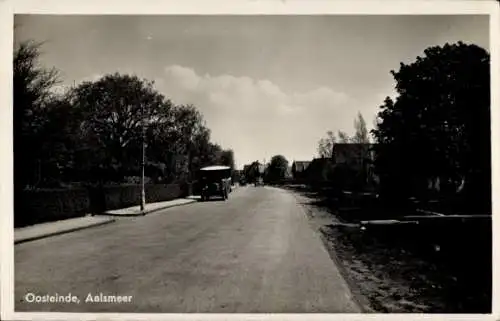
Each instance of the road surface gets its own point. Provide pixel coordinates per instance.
(253, 253)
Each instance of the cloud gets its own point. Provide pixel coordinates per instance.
(256, 117)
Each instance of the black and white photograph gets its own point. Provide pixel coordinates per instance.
(252, 163)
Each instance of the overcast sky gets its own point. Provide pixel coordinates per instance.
(266, 85)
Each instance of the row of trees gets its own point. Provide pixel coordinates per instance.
(253, 171)
(95, 130)
(436, 133)
(274, 171)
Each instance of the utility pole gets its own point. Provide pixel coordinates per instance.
(263, 171)
(143, 161)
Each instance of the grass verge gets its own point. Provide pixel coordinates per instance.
(406, 271)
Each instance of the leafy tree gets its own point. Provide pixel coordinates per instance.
(188, 129)
(227, 158)
(439, 125)
(95, 131)
(252, 172)
(325, 145)
(32, 94)
(61, 150)
(205, 153)
(213, 153)
(246, 172)
(162, 141)
(277, 168)
(181, 140)
(116, 107)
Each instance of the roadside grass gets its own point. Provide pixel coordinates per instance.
(427, 268)
(396, 278)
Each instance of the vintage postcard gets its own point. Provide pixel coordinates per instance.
(249, 159)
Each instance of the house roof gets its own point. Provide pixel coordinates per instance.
(301, 165)
(320, 161)
(350, 150)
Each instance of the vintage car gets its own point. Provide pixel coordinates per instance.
(215, 181)
(259, 181)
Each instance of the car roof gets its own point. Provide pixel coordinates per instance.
(215, 168)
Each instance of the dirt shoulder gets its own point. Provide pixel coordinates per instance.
(387, 276)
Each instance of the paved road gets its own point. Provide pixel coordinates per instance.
(254, 253)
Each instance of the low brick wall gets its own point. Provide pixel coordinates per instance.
(38, 206)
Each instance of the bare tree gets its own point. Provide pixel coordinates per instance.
(325, 145)
(343, 137)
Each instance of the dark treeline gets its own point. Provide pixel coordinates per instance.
(436, 133)
(93, 132)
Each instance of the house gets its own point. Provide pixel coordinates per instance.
(299, 168)
(354, 155)
(320, 170)
(357, 162)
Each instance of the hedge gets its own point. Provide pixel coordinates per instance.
(46, 205)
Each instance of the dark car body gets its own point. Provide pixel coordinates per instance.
(215, 181)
